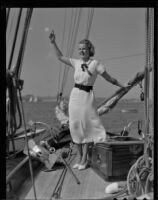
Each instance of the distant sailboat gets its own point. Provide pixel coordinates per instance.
(31, 99)
(35, 99)
(129, 110)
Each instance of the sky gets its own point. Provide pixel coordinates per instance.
(118, 35)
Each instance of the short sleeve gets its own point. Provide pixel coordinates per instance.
(73, 62)
(100, 68)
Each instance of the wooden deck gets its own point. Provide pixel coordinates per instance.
(91, 185)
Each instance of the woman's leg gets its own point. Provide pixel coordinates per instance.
(85, 154)
(79, 153)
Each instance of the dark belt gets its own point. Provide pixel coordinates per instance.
(83, 87)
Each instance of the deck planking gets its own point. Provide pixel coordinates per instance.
(91, 185)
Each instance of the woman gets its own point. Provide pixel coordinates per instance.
(84, 122)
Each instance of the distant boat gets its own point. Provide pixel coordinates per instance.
(31, 99)
(129, 110)
(35, 99)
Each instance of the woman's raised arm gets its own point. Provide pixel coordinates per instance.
(57, 51)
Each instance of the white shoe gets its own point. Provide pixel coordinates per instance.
(75, 166)
(81, 167)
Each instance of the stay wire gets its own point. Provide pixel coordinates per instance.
(23, 41)
(120, 57)
(70, 46)
(7, 17)
(10, 27)
(89, 22)
(147, 79)
(15, 38)
(75, 31)
(62, 46)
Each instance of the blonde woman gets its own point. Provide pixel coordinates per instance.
(84, 122)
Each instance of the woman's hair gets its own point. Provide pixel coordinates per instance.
(89, 45)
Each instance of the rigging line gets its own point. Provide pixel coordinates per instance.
(89, 22)
(72, 33)
(11, 26)
(75, 30)
(68, 46)
(152, 58)
(146, 82)
(120, 57)
(15, 38)
(23, 41)
(74, 38)
(7, 17)
(62, 46)
(70, 39)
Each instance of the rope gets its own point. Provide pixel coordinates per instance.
(23, 41)
(62, 46)
(147, 79)
(7, 17)
(71, 41)
(120, 57)
(15, 38)
(89, 22)
(11, 24)
(62, 86)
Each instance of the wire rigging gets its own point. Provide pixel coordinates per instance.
(74, 27)
(126, 56)
(89, 22)
(59, 92)
(10, 26)
(23, 41)
(68, 47)
(148, 49)
(15, 38)
(71, 40)
(7, 17)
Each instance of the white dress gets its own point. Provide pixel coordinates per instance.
(84, 122)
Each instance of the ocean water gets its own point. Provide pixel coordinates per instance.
(114, 121)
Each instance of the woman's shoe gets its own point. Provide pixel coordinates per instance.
(81, 167)
(75, 166)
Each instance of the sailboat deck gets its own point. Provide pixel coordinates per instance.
(91, 185)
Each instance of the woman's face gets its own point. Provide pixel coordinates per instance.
(83, 51)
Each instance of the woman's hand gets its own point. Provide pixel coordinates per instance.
(126, 86)
(52, 37)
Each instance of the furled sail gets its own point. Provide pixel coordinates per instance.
(110, 102)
